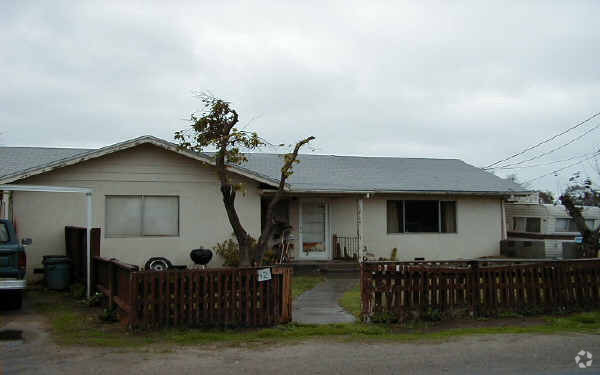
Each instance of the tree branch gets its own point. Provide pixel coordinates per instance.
(286, 171)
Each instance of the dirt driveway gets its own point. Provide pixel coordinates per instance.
(494, 354)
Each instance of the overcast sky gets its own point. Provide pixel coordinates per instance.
(469, 80)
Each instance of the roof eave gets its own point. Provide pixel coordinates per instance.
(420, 192)
(127, 145)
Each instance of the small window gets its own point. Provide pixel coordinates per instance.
(421, 216)
(527, 224)
(4, 237)
(140, 216)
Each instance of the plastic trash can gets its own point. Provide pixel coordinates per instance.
(58, 271)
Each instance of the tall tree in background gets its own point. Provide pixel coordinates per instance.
(546, 197)
(216, 127)
(578, 194)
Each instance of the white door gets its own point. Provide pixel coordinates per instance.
(314, 233)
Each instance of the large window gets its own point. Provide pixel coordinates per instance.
(527, 224)
(568, 225)
(139, 216)
(421, 216)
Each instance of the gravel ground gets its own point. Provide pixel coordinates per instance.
(493, 354)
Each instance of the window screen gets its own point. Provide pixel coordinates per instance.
(527, 224)
(137, 216)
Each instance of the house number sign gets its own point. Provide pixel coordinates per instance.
(264, 274)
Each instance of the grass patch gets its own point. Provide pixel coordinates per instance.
(350, 301)
(73, 323)
(301, 284)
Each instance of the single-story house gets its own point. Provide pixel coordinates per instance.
(152, 199)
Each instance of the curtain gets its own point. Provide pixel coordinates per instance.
(448, 217)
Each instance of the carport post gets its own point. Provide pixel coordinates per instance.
(88, 240)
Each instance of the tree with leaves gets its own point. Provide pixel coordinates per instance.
(217, 126)
(546, 197)
(582, 193)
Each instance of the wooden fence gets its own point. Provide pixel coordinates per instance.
(195, 297)
(76, 249)
(401, 290)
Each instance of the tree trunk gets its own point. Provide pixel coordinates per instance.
(589, 247)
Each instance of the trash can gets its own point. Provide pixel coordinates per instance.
(58, 271)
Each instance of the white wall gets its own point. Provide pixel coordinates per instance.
(479, 228)
(143, 170)
(479, 231)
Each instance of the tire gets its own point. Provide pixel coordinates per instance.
(12, 300)
(158, 264)
(17, 300)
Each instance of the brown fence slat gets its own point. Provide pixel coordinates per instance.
(482, 287)
(217, 297)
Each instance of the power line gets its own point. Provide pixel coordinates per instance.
(562, 169)
(554, 149)
(544, 141)
(545, 164)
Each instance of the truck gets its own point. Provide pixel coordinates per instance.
(13, 266)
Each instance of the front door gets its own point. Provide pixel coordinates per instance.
(314, 233)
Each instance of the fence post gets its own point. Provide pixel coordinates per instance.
(111, 284)
(475, 290)
(364, 294)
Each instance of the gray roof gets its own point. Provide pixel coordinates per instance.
(318, 173)
(18, 159)
(382, 174)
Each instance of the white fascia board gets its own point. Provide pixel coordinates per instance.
(47, 189)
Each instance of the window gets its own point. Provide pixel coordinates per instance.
(139, 216)
(568, 225)
(421, 216)
(527, 224)
(4, 237)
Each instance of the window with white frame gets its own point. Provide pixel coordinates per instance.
(141, 216)
(421, 216)
(527, 224)
(568, 225)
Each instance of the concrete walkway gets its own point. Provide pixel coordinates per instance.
(320, 306)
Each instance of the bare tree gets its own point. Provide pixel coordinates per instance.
(216, 127)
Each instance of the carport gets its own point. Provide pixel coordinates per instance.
(59, 189)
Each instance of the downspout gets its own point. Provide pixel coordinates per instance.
(6, 195)
(503, 234)
(88, 243)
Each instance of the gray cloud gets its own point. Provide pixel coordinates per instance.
(469, 80)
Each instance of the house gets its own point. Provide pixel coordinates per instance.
(152, 199)
(543, 230)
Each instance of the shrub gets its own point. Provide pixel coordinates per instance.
(229, 250)
(394, 255)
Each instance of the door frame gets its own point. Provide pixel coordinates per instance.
(327, 254)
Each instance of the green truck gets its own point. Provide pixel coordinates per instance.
(13, 264)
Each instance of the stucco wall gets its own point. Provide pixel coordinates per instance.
(478, 231)
(143, 170)
(479, 228)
